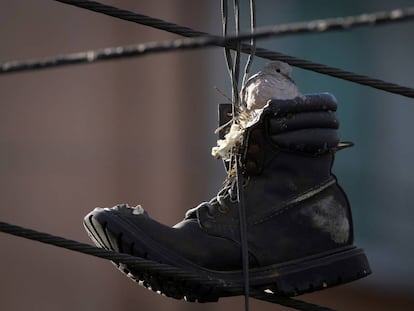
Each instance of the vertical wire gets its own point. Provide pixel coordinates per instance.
(227, 53)
(243, 233)
(239, 177)
(236, 67)
(234, 72)
(252, 43)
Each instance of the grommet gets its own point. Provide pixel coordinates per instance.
(223, 209)
(227, 114)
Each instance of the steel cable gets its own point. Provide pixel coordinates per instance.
(148, 265)
(320, 25)
(154, 47)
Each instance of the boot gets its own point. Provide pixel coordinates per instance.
(299, 224)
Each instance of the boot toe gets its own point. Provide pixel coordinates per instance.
(130, 230)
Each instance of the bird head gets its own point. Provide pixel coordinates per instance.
(278, 67)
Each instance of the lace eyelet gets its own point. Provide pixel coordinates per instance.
(223, 209)
(210, 211)
(233, 199)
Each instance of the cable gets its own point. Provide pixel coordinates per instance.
(317, 25)
(94, 251)
(227, 54)
(243, 230)
(156, 47)
(334, 72)
(291, 303)
(252, 43)
(239, 178)
(144, 264)
(321, 25)
(143, 49)
(236, 65)
(134, 17)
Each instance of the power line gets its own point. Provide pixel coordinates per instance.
(335, 72)
(195, 43)
(320, 25)
(134, 17)
(137, 50)
(150, 266)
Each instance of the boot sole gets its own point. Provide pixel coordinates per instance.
(291, 278)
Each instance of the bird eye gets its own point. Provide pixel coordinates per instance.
(278, 70)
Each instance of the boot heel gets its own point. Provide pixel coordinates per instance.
(319, 272)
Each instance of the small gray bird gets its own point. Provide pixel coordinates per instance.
(273, 81)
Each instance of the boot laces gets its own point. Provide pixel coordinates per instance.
(233, 189)
(229, 190)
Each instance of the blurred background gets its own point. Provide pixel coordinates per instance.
(141, 130)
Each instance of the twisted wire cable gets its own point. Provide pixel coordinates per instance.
(237, 58)
(252, 43)
(134, 17)
(137, 50)
(320, 25)
(94, 251)
(227, 53)
(148, 265)
(239, 178)
(157, 47)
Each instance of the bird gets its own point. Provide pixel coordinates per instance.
(272, 82)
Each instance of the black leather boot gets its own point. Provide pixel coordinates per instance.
(299, 224)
